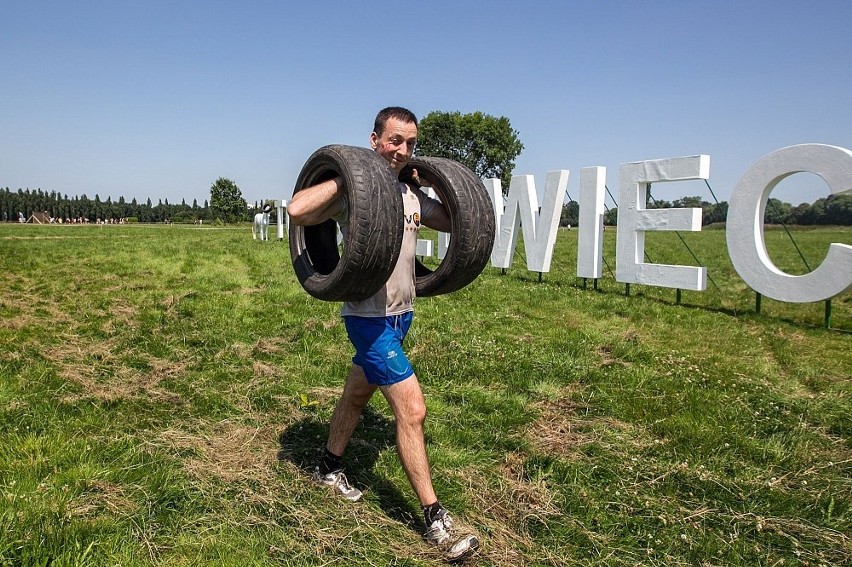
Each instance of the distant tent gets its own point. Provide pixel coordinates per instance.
(40, 218)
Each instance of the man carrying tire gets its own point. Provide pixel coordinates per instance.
(377, 327)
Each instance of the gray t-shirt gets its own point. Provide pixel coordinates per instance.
(397, 295)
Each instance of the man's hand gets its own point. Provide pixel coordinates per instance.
(413, 178)
(416, 178)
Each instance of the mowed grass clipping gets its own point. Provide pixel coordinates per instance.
(164, 391)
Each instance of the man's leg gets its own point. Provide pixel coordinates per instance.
(409, 410)
(356, 393)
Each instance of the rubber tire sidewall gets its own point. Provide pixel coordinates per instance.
(472, 225)
(374, 237)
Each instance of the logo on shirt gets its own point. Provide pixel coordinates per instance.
(413, 218)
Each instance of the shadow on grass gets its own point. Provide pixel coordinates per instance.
(302, 444)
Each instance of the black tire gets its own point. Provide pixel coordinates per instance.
(376, 227)
(472, 216)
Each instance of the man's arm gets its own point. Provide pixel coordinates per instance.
(439, 219)
(431, 210)
(317, 204)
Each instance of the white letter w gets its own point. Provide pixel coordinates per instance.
(522, 210)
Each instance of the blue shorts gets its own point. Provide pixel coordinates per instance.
(378, 347)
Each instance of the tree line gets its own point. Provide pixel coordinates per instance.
(26, 203)
(486, 144)
(831, 210)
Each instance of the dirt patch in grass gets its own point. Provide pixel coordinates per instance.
(172, 301)
(264, 370)
(103, 376)
(526, 498)
(228, 451)
(272, 346)
(251, 290)
(326, 394)
(563, 427)
(324, 324)
(27, 307)
(511, 503)
(92, 364)
(604, 352)
(123, 316)
(557, 429)
(102, 497)
(15, 323)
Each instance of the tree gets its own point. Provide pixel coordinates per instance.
(799, 214)
(777, 212)
(838, 209)
(570, 214)
(689, 203)
(226, 201)
(816, 213)
(714, 213)
(485, 144)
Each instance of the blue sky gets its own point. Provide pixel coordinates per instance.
(158, 99)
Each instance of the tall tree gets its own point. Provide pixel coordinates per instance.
(226, 201)
(838, 209)
(777, 212)
(570, 214)
(484, 143)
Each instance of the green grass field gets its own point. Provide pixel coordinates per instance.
(164, 389)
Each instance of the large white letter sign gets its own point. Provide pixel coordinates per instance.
(281, 205)
(634, 219)
(540, 227)
(744, 231)
(590, 239)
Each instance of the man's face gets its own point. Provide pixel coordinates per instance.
(396, 144)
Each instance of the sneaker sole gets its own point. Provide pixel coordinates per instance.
(355, 498)
(333, 489)
(462, 549)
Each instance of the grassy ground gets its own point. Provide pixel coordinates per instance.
(163, 390)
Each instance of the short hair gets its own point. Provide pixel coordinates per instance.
(397, 112)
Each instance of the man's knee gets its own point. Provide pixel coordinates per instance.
(356, 400)
(410, 410)
(417, 414)
(357, 391)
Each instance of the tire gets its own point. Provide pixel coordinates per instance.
(374, 238)
(472, 217)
